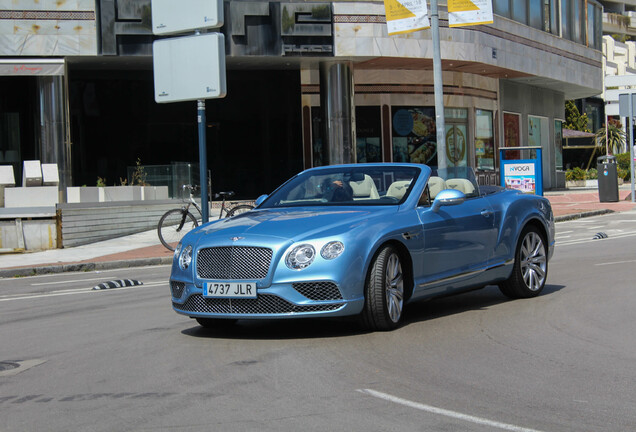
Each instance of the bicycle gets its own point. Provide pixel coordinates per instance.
(175, 223)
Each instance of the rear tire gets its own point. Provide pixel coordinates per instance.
(239, 209)
(168, 228)
(384, 291)
(530, 270)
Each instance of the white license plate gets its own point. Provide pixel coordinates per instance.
(222, 289)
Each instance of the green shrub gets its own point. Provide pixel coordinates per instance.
(623, 161)
(575, 174)
(591, 174)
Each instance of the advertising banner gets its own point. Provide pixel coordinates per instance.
(523, 175)
(406, 16)
(469, 12)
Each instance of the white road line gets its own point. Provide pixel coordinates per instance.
(78, 291)
(444, 412)
(616, 262)
(89, 272)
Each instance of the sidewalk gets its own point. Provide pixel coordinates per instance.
(144, 249)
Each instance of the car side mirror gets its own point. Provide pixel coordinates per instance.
(448, 197)
(260, 200)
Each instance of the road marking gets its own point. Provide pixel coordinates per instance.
(587, 240)
(616, 262)
(445, 412)
(66, 281)
(89, 272)
(78, 291)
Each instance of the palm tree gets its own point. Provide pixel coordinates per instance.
(614, 140)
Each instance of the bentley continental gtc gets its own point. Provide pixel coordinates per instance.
(363, 240)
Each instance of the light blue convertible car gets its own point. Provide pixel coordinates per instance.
(365, 240)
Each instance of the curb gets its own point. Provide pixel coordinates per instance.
(83, 267)
(574, 216)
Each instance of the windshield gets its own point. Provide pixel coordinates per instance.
(346, 185)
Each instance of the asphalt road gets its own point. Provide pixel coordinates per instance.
(72, 358)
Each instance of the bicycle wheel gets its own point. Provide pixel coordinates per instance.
(239, 209)
(173, 225)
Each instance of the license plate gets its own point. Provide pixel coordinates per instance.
(222, 289)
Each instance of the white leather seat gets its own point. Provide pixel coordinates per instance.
(398, 189)
(436, 185)
(461, 185)
(364, 189)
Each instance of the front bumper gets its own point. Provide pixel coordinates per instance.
(296, 300)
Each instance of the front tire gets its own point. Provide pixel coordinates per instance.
(173, 225)
(530, 270)
(384, 291)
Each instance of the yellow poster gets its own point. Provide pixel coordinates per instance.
(469, 12)
(406, 16)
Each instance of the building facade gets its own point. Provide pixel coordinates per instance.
(308, 83)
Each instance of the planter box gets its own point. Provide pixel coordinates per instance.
(154, 193)
(87, 194)
(590, 184)
(120, 193)
(83, 194)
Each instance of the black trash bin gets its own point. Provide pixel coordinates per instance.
(607, 179)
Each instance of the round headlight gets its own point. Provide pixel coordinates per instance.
(185, 258)
(300, 257)
(177, 250)
(332, 250)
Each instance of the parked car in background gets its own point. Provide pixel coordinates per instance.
(363, 239)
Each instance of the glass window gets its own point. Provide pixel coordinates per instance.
(565, 15)
(414, 135)
(368, 134)
(598, 26)
(502, 7)
(536, 14)
(576, 21)
(512, 134)
(554, 16)
(520, 11)
(558, 144)
(484, 140)
(591, 37)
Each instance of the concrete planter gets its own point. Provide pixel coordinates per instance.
(154, 193)
(76, 194)
(88, 194)
(120, 193)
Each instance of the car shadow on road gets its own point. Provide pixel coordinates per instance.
(481, 299)
(307, 328)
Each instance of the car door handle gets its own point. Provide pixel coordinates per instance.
(486, 213)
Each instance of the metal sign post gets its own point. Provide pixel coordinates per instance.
(189, 68)
(626, 109)
(438, 85)
(203, 161)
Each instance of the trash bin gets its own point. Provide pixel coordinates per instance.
(607, 179)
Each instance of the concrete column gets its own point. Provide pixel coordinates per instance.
(55, 146)
(338, 109)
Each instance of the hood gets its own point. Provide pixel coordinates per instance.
(290, 223)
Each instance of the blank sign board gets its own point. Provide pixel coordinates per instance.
(189, 68)
(172, 16)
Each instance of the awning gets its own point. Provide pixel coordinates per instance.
(31, 67)
(578, 140)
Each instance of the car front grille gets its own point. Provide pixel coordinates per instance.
(233, 262)
(263, 305)
(318, 290)
(177, 288)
